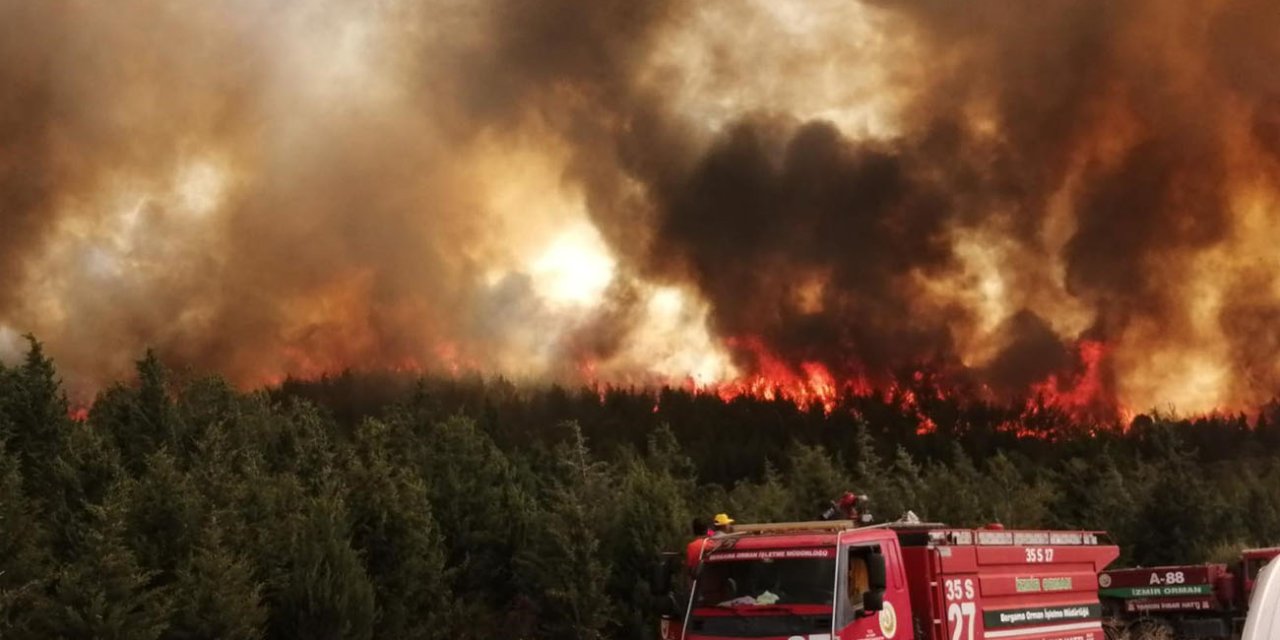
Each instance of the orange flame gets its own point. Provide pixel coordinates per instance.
(1085, 398)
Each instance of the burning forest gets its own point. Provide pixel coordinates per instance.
(1060, 205)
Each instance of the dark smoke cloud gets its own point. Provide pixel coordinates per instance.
(754, 222)
(1125, 108)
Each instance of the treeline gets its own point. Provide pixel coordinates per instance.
(368, 506)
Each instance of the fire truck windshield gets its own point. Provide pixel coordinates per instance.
(764, 593)
(766, 577)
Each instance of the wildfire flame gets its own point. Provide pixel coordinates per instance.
(1067, 207)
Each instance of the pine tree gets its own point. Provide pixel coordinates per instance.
(216, 595)
(35, 416)
(562, 563)
(769, 500)
(1013, 499)
(871, 477)
(396, 535)
(953, 494)
(103, 592)
(164, 517)
(1174, 529)
(651, 514)
(481, 507)
(907, 488)
(24, 560)
(814, 480)
(84, 476)
(140, 419)
(565, 563)
(322, 591)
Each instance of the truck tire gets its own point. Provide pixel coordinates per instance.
(1113, 629)
(1150, 629)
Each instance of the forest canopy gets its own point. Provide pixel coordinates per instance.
(378, 505)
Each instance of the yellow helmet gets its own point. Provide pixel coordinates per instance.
(722, 520)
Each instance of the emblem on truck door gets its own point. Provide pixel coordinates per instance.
(888, 620)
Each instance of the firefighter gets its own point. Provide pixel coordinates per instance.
(846, 507)
(859, 581)
(720, 524)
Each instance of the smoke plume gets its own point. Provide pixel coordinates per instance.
(1013, 194)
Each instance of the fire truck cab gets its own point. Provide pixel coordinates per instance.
(909, 580)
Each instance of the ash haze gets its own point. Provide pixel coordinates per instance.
(626, 190)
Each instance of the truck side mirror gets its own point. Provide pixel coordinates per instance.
(872, 601)
(660, 578)
(876, 572)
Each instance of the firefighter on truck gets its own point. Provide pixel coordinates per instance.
(841, 578)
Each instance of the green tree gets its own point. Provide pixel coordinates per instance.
(215, 595)
(650, 513)
(814, 480)
(397, 537)
(906, 489)
(24, 560)
(103, 592)
(768, 500)
(165, 514)
(871, 477)
(481, 507)
(562, 563)
(1180, 515)
(953, 493)
(323, 591)
(1014, 499)
(84, 476)
(34, 411)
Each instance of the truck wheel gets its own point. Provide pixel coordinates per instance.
(1150, 629)
(1114, 629)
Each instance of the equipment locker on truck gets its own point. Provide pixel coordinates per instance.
(907, 580)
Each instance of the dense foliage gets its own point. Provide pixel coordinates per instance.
(372, 506)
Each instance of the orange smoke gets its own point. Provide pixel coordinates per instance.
(1068, 206)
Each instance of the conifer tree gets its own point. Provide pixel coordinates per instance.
(216, 595)
(323, 591)
(768, 500)
(480, 505)
(562, 563)
(35, 417)
(102, 592)
(164, 518)
(814, 480)
(1013, 499)
(652, 513)
(24, 559)
(906, 489)
(871, 477)
(953, 493)
(84, 476)
(398, 539)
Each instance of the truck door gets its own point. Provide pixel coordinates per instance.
(856, 590)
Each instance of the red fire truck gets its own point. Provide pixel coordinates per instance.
(897, 581)
(1189, 601)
